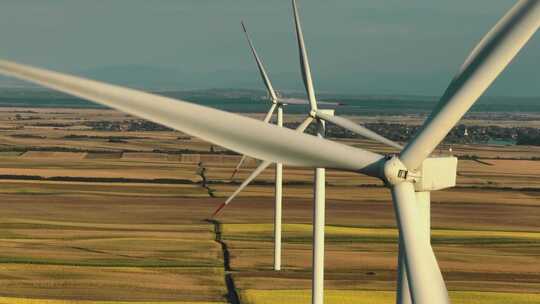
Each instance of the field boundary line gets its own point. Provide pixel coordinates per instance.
(232, 294)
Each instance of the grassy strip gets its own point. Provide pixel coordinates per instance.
(378, 297)
(302, 232)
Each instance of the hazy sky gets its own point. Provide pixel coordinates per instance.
(355, 46)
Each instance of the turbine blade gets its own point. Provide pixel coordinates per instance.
(238, 166)
(244, 184)
(358, 129)
(266, 119)
(424, 276)
(234, 132)
(269, 113)
(304, 62)
(260, 65)
(301, 128)
(494, 52)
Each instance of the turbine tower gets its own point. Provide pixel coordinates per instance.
(408, 175)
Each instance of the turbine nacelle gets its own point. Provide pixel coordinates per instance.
(435, 173)
(329, 112)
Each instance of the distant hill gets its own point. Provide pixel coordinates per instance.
(246, 100)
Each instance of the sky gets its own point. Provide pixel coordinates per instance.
(358, 47)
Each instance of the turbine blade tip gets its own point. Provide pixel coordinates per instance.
(218, 210)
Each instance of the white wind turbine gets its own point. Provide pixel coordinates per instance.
(321, 117)
(410, 176)
(278, 191)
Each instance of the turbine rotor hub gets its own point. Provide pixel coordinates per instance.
(395, 172)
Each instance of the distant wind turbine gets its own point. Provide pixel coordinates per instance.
(279, 103)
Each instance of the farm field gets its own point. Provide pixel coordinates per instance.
(94, 220)
(99, 247)
(382, 297)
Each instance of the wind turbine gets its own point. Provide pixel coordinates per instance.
(321, 117)
(278, 192)
(409, 175)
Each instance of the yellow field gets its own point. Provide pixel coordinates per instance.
(379, 297)
(336, 232)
